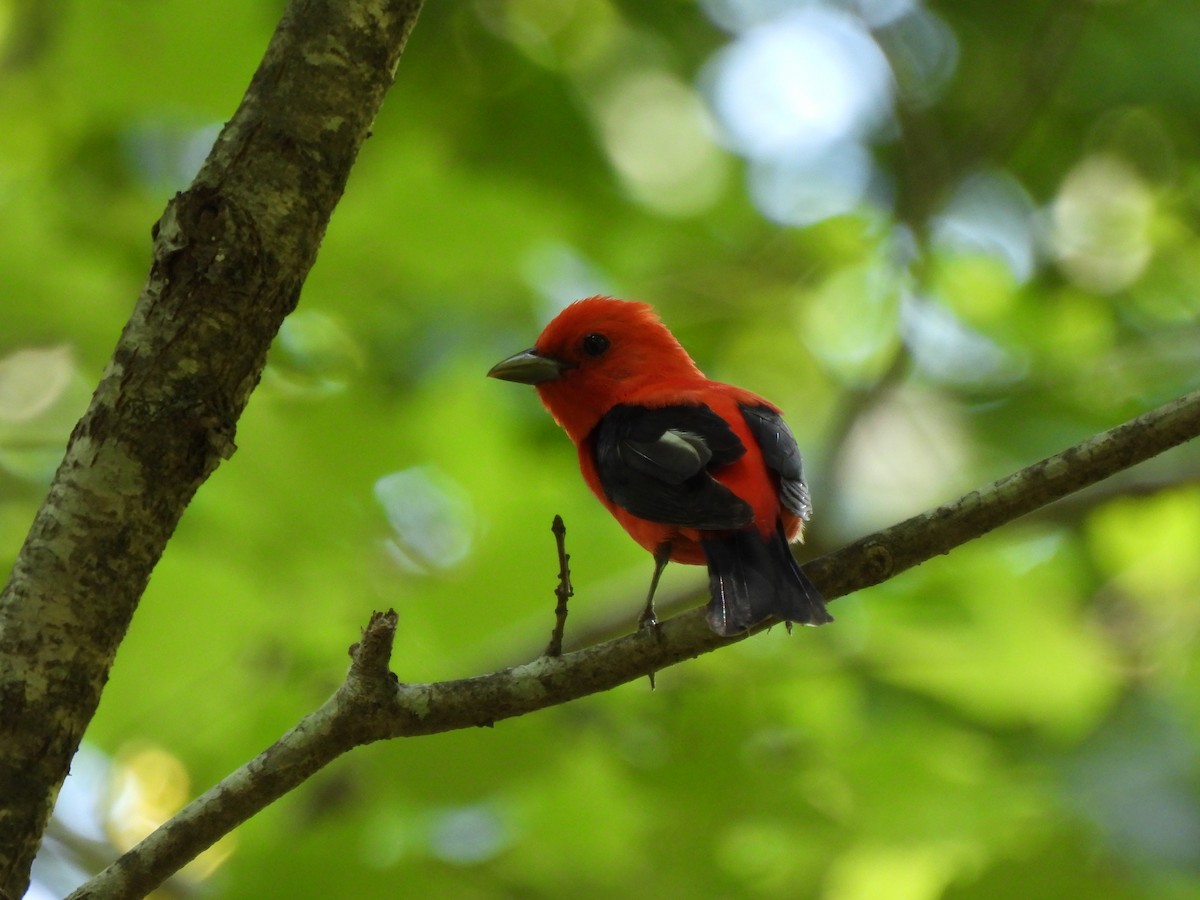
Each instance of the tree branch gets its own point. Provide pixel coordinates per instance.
(563, 592)
(230, 255)
(371, 705)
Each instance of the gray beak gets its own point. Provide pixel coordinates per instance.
(527, 367)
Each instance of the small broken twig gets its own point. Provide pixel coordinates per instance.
(564, 589)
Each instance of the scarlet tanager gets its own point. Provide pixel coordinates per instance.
(696, 471)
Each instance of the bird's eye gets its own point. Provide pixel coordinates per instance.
(594, 344)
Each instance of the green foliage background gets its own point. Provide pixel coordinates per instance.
(1019, 719)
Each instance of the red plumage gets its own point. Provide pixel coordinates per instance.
(696, 471)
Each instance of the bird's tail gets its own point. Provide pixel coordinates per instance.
(752, 578)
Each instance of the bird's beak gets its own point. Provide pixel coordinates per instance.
(527, 367)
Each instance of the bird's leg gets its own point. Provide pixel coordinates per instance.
(662, 553)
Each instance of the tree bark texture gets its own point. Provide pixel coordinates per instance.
(229, 257)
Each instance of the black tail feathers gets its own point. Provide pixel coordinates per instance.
(752, 579)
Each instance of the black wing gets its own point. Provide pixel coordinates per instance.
(655, 463)
(781, 455)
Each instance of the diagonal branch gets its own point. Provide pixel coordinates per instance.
(371, 705)
(230, 255)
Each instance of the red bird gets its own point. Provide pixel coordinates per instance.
(696, 471)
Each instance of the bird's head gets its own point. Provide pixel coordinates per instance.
(595, 354)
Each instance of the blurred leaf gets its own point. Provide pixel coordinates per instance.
(994, 258)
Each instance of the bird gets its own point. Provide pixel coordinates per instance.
(696, 471)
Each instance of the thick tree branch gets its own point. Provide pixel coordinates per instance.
(371, 705)
(230, 255)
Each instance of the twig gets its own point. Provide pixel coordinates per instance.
(371, 705)
(564, 591)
